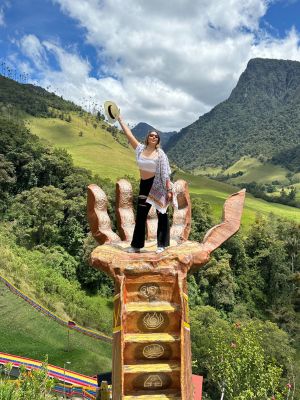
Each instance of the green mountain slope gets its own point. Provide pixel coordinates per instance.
(94, 148)
(257, 171)
(31, 99)
(261, 117)
(215, 193)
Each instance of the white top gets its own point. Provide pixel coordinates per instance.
(147, 164)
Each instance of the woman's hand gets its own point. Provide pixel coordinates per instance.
(169, 196)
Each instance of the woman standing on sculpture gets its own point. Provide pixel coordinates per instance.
(155, 188)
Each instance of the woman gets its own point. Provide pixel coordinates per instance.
(155, 188)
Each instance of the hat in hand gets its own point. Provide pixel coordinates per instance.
(112, 111)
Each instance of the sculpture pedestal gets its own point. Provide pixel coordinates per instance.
(151, 331)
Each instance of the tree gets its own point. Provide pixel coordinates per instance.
(201, 219)
(241, 361)
(238, 364)
(7, 181)
(216, 282)
(268, 257)
(38, 215)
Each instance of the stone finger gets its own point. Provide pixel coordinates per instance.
(98, 217)
(182, 215)
(124, 209)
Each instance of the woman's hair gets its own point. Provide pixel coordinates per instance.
(147, 137)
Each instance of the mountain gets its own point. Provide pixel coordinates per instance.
(141, 129)
(261, 119)
(31, 99)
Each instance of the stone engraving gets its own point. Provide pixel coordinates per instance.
(149, 291)
(153, 320)
(153, 351)
(153, 381)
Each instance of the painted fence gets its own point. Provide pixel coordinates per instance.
(61, 374)
(70, 383)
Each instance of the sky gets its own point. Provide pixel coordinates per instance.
(163, 62)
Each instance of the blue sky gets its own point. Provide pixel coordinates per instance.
(165, 64)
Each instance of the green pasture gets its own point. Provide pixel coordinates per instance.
(28, 333)
(96, 150)
(215, 193)
(256, 171)
(296, 177)
(207, 171)
(297, 186)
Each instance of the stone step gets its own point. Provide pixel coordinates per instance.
(150, 337)
(152, 306)
(153, 367)
(153, 397)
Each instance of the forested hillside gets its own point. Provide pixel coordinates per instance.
(31, 99)
(261, 118)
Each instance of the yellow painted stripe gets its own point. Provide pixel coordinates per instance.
(185, 296)
(51, 368)
(151, 306)
(186, 325)
(150, 337)
(117, 329)
(157, 367)
(116, 296)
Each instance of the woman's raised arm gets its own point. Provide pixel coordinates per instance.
(132, 139)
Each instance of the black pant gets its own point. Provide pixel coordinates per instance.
(163, 229)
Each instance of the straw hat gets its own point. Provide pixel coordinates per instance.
(112, 111)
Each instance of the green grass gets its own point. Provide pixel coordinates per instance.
(207, 171)
(297, 186)
(256, 171)
(29, 271)
(96, 150)
(28, 333)
(215, 193)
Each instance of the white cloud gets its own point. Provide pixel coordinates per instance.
(165, 63)
(2, 22)
(33, 49)
(5, 4)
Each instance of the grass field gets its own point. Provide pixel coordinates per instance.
(215, 193)
(256, 171)
(96, 150)
(28, 333)
(297, 186)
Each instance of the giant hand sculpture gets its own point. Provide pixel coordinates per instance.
(151, 343)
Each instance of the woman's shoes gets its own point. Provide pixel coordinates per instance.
(137, 250)
(133, 250)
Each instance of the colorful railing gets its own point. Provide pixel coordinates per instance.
(69, 383)
(72, 391)
(50, 314)
(61, 374)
